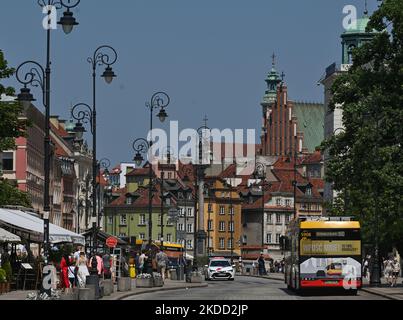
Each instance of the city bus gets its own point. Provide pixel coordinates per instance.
(323, 252)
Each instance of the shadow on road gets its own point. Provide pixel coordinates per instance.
(319, 293)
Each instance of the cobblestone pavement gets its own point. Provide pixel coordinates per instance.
(249, 288)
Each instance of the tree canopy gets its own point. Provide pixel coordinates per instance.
(366, 159)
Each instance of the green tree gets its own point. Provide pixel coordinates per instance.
(11, 126)
(366, 165)
(11, 196)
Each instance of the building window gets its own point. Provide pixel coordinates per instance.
(288, 203)
(210, 208)
(189, 244)
(222, 226)
(169, 175)
(268, 238)
(142, 236)
(277, 238)
(129, 200)
(123, 220)
(287, 219)
(189, 228)
(231, 210)
(270, 218)
(122, 235)
(142, 220)
(210, 225)
(244, 239)
(222, 210)
(169, 237)
(309, 191)
(190, 212)
(222, 243)
(229, 243)
(231, 226)
(8, 161)
(110, 220)
(278, 202)
(278, 218)
(180, 227)
(180, 212)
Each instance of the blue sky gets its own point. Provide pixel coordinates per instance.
(210, 56)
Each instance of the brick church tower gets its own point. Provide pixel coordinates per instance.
(280, 136)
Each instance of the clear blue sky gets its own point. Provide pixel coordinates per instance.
(210, 56)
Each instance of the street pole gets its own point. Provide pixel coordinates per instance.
(162, 208)
(141, 146)
(38, 76)
(231, 210)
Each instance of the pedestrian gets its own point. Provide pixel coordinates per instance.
(64, 266)
(107, 263)
(72, 273)
(396, 271)
(261, 265)
(137, 262)
(388, 271)
(162, 263)
(142, 260)
(82, 272)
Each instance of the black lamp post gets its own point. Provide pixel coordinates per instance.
(39, 76)
(260, 173)
(168, 153)
(103, 165)
(200, 167)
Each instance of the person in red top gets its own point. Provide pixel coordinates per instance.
(64, 272)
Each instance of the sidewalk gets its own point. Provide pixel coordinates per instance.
(385, 290)
(169, 285)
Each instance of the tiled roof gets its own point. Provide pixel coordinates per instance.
(313, 158)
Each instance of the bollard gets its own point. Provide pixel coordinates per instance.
(108, 287)
(86, 294)
(124, 284)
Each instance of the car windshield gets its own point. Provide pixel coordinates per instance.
(219, 263)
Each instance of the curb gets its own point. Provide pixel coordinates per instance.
(129, 294)
(383, 295)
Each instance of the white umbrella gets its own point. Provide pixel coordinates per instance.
(6, 236)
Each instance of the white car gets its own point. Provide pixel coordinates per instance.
(220, 268)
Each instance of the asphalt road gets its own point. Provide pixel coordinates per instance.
(247, 288)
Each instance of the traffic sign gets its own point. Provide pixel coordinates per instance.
(111, 242)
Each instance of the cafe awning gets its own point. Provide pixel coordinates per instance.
(6, 236)
(31, 225)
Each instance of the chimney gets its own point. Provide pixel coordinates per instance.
(62, 124)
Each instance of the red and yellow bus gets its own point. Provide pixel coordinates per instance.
(323, 252)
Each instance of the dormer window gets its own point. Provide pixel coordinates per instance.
(129, 200)
(308, 191)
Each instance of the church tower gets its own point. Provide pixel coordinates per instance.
(279, 125)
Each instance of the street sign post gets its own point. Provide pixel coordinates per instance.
(112, 242)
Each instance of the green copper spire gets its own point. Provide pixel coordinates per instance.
(272, 80)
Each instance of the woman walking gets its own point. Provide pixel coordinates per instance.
(396, 272)
(64, 266)
(82, 272)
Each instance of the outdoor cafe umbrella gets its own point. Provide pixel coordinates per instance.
(6, 236)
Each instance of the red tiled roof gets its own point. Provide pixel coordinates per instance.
(313, 158)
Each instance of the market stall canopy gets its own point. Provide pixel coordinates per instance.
(31, 224)
(6, 236)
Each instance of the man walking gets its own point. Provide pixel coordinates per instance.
(162, 262)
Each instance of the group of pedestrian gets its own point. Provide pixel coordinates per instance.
(75, 268)
(144, 263)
